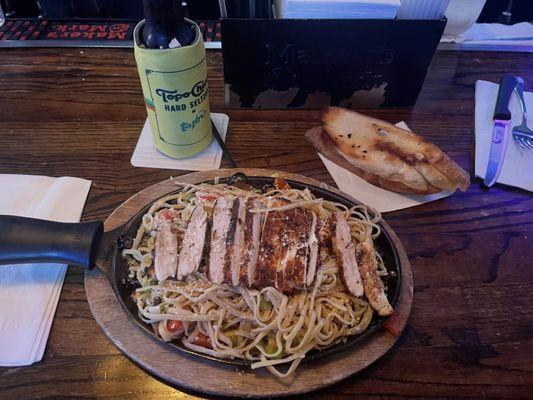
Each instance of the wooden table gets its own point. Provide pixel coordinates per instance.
(79, 112)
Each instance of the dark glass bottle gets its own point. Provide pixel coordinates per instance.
(164, 21)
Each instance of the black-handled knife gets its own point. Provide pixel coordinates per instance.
(507, 85)
(500, 130)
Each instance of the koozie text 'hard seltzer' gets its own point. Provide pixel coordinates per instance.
(174, 85)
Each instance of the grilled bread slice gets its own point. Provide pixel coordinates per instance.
(327, 147)
(385, 155)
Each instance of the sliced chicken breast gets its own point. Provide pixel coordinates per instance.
(166, 244)
(374, 289)
(251, 241)
(324, 239)
(344, 250)
(270, 247)
(193, 243)
(220, 230)
(312, 260)
(235, 241)
(291, 273)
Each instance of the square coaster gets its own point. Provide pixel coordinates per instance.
(146, 155)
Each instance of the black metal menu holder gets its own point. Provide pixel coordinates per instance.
(313, 63)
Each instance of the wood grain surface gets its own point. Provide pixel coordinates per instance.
(209, 377)
(79, 112)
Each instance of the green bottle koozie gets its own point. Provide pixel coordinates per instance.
(174, 85)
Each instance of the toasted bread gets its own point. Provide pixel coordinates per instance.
(385, 155)
(326, 146)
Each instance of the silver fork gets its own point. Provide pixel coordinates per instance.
(521, 133)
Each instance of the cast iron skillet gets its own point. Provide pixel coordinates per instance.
(28, 240)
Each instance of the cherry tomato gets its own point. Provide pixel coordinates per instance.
(167, 214)
(281, 184)
(174, 326)
(207, 197)
(393, 324)
(202, 340)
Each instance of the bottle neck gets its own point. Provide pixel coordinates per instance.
(159, 14)
(164, 21)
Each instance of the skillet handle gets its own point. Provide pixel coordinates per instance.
(30, 240)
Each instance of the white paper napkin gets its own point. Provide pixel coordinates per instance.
(146, 155)
(422, 9)
(494, 34)
(373, 196)
(518, 164)
(338, 9)
(30, 292)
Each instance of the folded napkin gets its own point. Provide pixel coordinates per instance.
(373, 196)
(146, 155)
(338, 9)
(30, 292)
(422, 9)
(518, 164)
(494, 34)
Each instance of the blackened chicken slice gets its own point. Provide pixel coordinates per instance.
(220, 230)
(324, 239)
(344, 250)
(235, 242)
(251, 241)
(374, 289)
(313, 244)
(270, 247)
(166, 244)
(291, 271)
(193, 243)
